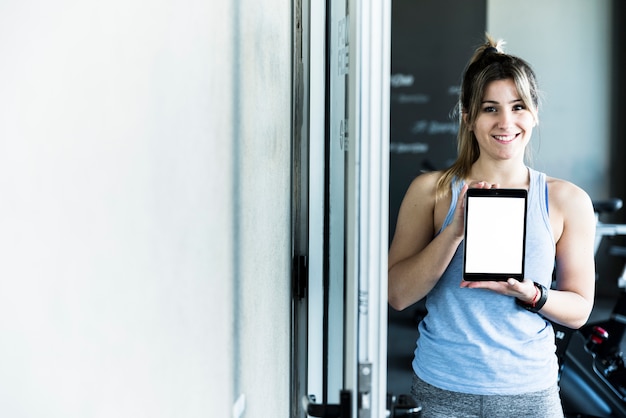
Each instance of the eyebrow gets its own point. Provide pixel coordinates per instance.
(496, 102)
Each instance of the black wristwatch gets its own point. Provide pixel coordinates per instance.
(541, 300)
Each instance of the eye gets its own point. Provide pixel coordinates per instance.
(489, 109)
(519, 107)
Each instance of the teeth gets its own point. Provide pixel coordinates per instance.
(504, 138)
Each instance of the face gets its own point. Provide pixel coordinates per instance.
(504, 125)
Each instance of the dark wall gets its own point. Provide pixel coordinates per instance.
(608, 267)
(618, 134)
(431, 42)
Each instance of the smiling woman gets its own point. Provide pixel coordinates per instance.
(481, 85)
(486, 348)
(504, 125)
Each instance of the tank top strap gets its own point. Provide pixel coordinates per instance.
(539, 191)
(457, 185)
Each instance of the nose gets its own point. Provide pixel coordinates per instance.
(505, 119)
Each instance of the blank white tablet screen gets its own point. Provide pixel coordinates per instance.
(495, 235)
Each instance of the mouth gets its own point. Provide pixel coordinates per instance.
(505, 138)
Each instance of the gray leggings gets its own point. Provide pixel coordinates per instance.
(439, 403)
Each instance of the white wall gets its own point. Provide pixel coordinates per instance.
(568, 44)
(144, 264)
(263, 250)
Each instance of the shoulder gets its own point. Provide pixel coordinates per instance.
(570, 207)
(426, 202)
(415, 224)
(428, 179)
(419, 201)
(424, 186)
(564, 194)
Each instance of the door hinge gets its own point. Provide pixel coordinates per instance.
(365, 390)
(300, 276)
(344, 139)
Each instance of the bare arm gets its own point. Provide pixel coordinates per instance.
(417, 258)
(571, 303)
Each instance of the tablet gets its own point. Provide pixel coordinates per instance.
(495, 234)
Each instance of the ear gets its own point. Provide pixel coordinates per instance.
(464, 116)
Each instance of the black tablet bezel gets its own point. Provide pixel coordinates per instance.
(495, 194)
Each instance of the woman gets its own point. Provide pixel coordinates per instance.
(487, 348)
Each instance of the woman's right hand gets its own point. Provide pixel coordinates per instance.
(458, 223)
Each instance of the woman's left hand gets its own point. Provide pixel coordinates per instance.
(524, 290)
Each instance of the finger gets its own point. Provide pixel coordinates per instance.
(484, 185)
(494, 286)
(461, 199)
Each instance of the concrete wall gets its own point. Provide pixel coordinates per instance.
(568, 42)
(144, 208)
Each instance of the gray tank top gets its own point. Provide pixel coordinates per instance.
(476, 341)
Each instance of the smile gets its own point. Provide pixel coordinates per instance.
(505, 138)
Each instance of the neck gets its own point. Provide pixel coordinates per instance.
(506, 174)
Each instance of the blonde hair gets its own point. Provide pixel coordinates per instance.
(489, 63)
